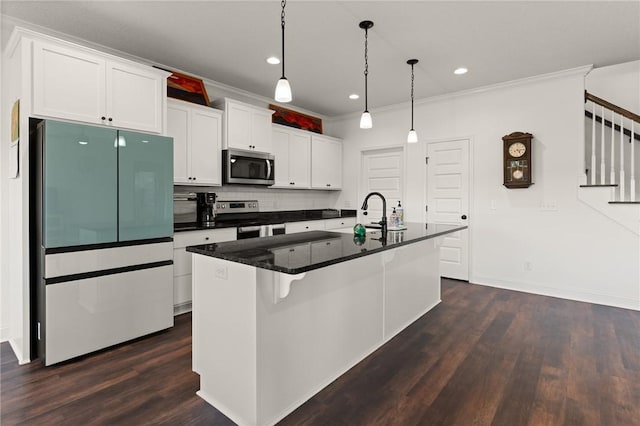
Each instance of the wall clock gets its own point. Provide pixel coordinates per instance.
(516, 162)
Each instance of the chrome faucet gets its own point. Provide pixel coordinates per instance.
(383, 221)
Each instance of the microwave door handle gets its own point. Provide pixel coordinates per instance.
(268, 169)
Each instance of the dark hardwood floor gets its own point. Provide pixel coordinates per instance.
(483, 356)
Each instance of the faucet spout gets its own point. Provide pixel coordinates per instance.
(383, 220)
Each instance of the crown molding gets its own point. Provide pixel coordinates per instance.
(582, 70)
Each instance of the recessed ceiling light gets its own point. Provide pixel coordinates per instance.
(460, 71)
(354, 96)
(273, 60)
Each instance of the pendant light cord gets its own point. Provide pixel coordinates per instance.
(411, 96)
(283, 3)
(366, 67)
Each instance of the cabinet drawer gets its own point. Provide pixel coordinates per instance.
(192, 238)
(346, 222)
(310, 225)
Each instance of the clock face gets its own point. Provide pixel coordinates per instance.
(517, 149)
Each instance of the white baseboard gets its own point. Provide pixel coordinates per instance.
(182, 308)
(570, 294)
(17, 350)
(4, 334)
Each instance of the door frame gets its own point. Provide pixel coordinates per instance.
(371, 149)
(471, 214)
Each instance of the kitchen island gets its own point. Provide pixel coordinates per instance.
(276, 319)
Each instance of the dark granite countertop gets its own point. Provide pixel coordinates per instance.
(266, 218)
(305, 251)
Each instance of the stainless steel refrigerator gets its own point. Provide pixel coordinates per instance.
(101, 237)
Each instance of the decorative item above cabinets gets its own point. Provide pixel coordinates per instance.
(76, 83)
(197, 136)
(516, 162)
(246, 127)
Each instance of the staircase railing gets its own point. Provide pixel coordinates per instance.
(611, 154)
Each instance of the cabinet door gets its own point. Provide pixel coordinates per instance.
(68, 84)
(205, 147)
(134, 97)
(300, 160)
(178, 129)
(145, 182)
(280, 140)
(326, 163)
(261, 130)
(80, 185)
(239, 122)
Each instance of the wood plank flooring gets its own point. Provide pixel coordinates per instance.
(484, 356)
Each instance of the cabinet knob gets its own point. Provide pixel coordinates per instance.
(103, 118)
(194, 178)
(206, 238)
(306, 227)
(463, 217)
(110, 119)
(328, 184)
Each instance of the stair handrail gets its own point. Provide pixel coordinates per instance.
(611, 107)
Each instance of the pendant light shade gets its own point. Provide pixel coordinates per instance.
(412, 137)
(283, 89)
(365, 119)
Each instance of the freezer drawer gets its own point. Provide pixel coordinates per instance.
(83, 316)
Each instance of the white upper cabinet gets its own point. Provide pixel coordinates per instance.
(292, 150)
(326, 162)
(82, 85)
(247, 127)
(197, 135)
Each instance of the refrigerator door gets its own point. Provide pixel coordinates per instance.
(145, 181)
(79, 175)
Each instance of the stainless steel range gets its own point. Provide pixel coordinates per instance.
(245, 214)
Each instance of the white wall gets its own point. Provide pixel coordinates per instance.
(575, 252)
(618, 84)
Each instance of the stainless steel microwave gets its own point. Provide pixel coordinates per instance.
(248, 167)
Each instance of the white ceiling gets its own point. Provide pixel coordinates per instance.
(228, 41)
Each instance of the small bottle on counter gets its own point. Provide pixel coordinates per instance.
(394, 219)
(400, 211)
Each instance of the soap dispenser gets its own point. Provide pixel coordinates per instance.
(394, 219)
(400, 212)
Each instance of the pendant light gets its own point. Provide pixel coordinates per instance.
(283, 90)
(412, 137)
(365, 119)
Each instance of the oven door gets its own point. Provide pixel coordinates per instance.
(242, 167)
(244, 232)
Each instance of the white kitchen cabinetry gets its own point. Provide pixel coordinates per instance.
(320, 225)
(308, 225)
(338, 223)
(292, 149)
(197, 136)
(75, 83)
(326, 162)
(247, 127)
(182, 289)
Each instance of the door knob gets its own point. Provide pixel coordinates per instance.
(464, 217)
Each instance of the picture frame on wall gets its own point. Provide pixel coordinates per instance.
(186, 88)
(298, 120)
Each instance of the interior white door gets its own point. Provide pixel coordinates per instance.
(382, 172)
(448, 202)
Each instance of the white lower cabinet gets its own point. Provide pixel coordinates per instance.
(182, 286)
(308, 225)
(338, 223)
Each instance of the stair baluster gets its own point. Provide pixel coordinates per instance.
(612, 173)
(593, 146)
(603, 169)
(621, 175)
(632, 178)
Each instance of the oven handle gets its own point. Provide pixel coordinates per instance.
(245, 229)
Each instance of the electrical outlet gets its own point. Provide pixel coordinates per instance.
(493, 205)
(221, 272)
(549, 206)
